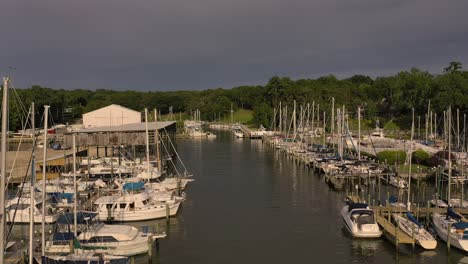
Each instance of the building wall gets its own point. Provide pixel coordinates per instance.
(112, 115)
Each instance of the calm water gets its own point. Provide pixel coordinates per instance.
(250, 204)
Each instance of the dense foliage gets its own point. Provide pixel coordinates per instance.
(389, 98)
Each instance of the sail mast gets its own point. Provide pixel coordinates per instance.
(75, 193)
(44, 165)
(409, 163)
(156, 136)
(31, 186)
(148, 171)
(3, 165)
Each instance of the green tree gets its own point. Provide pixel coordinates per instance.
(454, 66)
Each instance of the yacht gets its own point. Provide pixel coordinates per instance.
(458, 229)
(412, 227)
(134, 204)
(85, 258)
(97, 237)
(360, 221)
(17, 210)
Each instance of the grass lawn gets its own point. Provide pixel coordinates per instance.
(242, 116)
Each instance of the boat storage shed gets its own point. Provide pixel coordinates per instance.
(111, 115)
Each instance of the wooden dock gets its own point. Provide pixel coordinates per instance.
(393, 233)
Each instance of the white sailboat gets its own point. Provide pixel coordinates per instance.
(458, 229)
(412, 227)
(360, 221)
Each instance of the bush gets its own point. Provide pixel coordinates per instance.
(392, 156)
(420, 156)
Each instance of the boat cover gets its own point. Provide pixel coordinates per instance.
(461, 225)
(130, 186)
(413, 219)
(68, 218)
(393, 199)
(452, 214)
(352, 206)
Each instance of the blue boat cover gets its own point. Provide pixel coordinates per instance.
(66, 236)
(68, 218)
(413, 219)
(130, 186)
(461, 225)
(393, 199)
(452, 214)
(59, 196)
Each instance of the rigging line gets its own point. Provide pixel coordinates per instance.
(172, 162)
(177, 154)
(19, 197)
(18, 97)
(17, 150)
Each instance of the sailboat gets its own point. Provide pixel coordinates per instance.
(412, 227)
(451, 227)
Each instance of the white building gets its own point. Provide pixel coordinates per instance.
(111, 115)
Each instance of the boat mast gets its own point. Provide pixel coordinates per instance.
(156, 135)
(31, 187)
(3, 165)
(359, 133)
(449, 121)
(75, 193)
(44, 165)
(332, 128)
(294, 121)
(148, 171)
(280, 118)
(409, 163)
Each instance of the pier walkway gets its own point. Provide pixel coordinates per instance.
(392, 232)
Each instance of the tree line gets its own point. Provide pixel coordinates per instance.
(389, 97)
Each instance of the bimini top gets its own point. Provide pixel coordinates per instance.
(81, 218)
(352, 206)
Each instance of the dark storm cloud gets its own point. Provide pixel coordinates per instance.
(175, 44)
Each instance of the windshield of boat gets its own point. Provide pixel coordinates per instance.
(363, 217)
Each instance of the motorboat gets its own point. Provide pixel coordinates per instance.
(360, 221)
(413, 228)
(17, 210)
(84, 258)
(96, 237)
(134, 204)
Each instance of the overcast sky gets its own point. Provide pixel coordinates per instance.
(201, 44)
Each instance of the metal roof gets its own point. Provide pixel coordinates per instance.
(135, 127)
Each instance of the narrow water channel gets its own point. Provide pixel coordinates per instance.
(251, 204)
